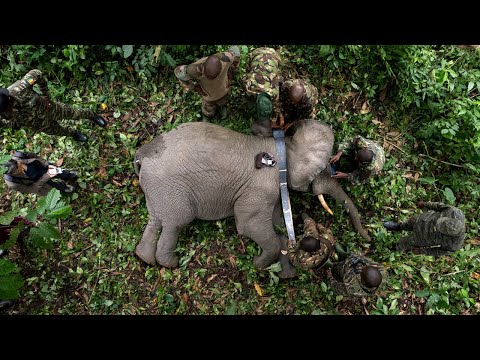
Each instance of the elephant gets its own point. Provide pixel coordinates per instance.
(201, 170)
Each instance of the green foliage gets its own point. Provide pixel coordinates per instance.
(426, 94)
(41, 236)
(10, 280)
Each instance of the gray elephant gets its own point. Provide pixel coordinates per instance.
(204, 171)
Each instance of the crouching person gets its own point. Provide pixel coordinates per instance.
(356, 275)
(315, 247)
(28, 173)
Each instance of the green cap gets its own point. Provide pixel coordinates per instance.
(181, 73)
(264, 107)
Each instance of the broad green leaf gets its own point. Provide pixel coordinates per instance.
(170, 60)
(7, 218)
(127, 50)
(7, 267)
(37, 239)
(9, 286)
(355, 86)
(422, 293)
(425, 274)
(449, 195)
(47, 231)
(41, 205)
(406, 267)
(59, 213)
(427, 180)
(32, 215)
(470, 86)
(432, 300)
(275, 267)
(51, 199)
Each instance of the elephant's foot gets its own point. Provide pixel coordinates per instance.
(262, 261)
(146, 252)
(167, 260)
(288, 270)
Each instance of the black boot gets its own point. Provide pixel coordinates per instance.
(79, 136)
(70, 175)
(391, 225)
(100, 121)
(4, 304)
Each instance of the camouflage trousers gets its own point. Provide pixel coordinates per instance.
(46, 117)
(209, 108)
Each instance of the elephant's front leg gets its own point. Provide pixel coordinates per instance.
(145, 250)
(256, 223)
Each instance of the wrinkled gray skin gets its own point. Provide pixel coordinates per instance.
(204, 171)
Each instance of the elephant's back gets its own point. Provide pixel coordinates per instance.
(204, 134)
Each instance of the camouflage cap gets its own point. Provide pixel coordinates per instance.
(449, 226)
(181, 73)
(264, 106)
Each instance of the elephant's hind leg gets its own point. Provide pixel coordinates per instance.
(145, 250)
(166, 245)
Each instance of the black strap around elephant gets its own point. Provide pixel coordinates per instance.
(279, 136)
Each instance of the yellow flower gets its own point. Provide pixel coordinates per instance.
(104, 106)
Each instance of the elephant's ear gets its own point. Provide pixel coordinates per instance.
(308, 152)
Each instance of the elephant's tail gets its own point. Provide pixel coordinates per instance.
(137, 163)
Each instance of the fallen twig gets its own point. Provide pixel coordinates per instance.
(444, 162)
(388, 142)
(455, 272)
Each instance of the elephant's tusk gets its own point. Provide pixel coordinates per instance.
(324, 204)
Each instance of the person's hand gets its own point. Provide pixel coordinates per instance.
(340, 175)
(47, 102)
(416, 251)
(420, 204)
(336, 157)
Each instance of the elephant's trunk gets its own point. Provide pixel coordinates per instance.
(336, 191)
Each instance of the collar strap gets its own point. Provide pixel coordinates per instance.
(279, 136)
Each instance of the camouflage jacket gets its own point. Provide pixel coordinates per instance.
(264, 75)
(428, 229)
(212, 89)
(306, 108)
(364, 171)
(305, 260)
(345, 279)
(28, 104)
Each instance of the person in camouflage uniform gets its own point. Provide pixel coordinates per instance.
(28, 173)
(356, 275)
(21, 106)
(211, 77)
(263, 80)
(305, 256)
(438, 231)
(298, 99)
(366, 158)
